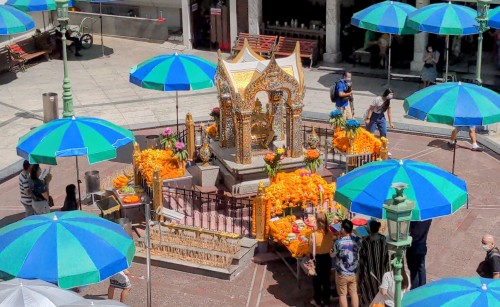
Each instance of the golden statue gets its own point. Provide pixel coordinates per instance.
(262, 125)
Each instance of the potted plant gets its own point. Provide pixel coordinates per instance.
(312, 160)
(273, 164)
(168, 139)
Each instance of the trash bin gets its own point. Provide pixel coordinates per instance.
(50, 107)
(93, 182)
(126, 225)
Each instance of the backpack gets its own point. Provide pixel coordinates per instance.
(334, 93)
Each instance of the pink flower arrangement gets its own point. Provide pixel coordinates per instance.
(215, 113)
(179, 145)
(167, 132)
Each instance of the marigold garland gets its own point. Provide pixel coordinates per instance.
(150, 159)
(363, 142)
(281, 228)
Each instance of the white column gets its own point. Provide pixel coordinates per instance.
(186, 23)
(254, 16)
(233, 21)
(332, 54)
(420, 43)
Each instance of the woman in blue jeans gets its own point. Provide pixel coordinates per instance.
(375, 117)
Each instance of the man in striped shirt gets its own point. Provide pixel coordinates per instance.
(24, 188)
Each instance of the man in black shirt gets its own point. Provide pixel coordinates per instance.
(415, 255)
(491, 266)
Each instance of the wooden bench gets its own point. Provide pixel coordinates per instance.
(308, 48)
(19, 56)
(261, 44)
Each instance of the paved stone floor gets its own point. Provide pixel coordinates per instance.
(454, 241)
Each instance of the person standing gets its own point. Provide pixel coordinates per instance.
(429, 71)
(373, 259)
(120, 281)
(39, 190)
(323, 241)
(375, 116)
(388, 285)
(415, 254)
(343, 95)
(472, 135)
(24, 188)
(346, 265)
(490, 267)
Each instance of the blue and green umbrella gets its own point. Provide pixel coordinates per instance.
(455, 291)
(455, 103)
(435, 191)
(385, 17)
(494, 18)
(445, 19)
(69, 249)
(13, 21)
(174, 72)
(35, 5)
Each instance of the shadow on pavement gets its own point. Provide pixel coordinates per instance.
(92, 53)
(7, 77)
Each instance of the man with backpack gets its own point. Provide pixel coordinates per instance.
(490, 267)
(341, 95)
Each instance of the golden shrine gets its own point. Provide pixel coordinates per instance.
(247, 124)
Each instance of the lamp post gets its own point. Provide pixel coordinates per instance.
(483, 7)
(398, 213)
(63, 19)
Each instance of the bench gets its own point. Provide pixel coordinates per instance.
(19, 56)
(308, 48)
(261, 44)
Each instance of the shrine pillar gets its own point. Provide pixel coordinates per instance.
(226, 122)
(276, 98)
(293, 127)
(244, 138)
(332, 54)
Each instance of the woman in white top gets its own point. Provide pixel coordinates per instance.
(388, 286)
(375, 117)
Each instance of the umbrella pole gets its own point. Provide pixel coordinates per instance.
(148, 254)
(78, 183)
(43, 17)
(177, 110)
(389, 62)
(447, 57)
(454, 154)
(100, 16)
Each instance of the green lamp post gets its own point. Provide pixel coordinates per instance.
(63, 19)
(483, 7)
(398, 213)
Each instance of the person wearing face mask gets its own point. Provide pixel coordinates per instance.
(344, 98)
(70, 203)
(429, 72)
(39, 190)
(375, 116)
(490, 267)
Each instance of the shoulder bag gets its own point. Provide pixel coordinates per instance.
(309, 264)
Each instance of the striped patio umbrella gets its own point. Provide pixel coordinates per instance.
(445, 19)
(455, 291)
(385, 17)
(72, 137)
(70, 249)
(435, 191)
(13, 21)
(494, 18)
(174, 72)
(35, 6)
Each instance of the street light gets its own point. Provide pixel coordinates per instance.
(398, 213)
(483, 7)
(63, 19)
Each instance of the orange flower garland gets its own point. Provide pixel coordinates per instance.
(363, 142)
(150, 159)
(211, 130)
(312, 154)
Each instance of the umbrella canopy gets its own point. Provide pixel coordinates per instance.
(23, 292)
(455, 103)
(448, 292)
(13, 21)
(70, 249)
(444, 19)
(35, 5)
(89, 303)
(435, 191)
(174, 72)
(76, 136)
(386, 17)
(494, 18)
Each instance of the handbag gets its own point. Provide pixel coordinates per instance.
(309, 264)
(428, 65)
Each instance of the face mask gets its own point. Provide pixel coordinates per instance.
(389, 97)
(486, 248)
(429, 50)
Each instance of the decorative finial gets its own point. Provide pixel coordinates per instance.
(484, 287)
(55, 219)
(73, 117)
(400, 162)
